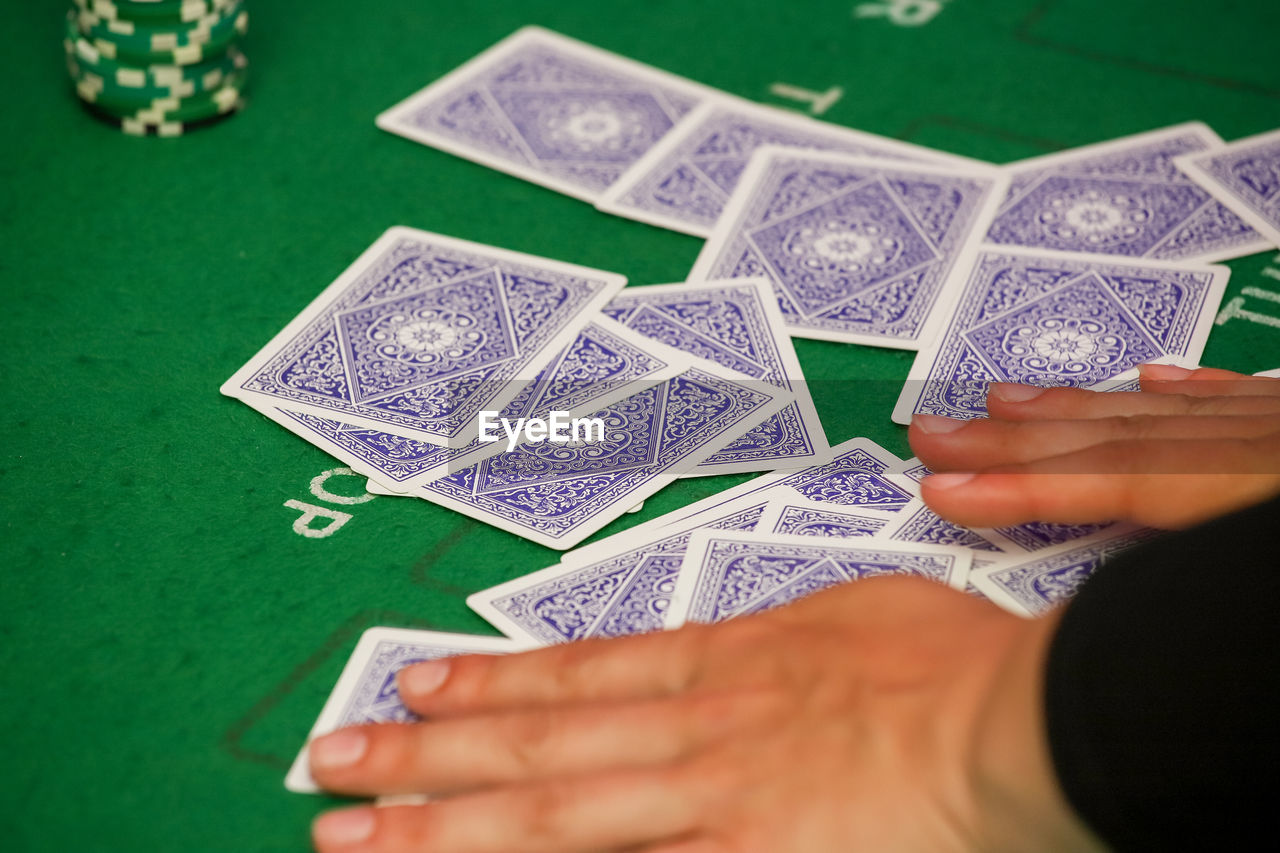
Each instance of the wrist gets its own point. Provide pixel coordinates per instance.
(1015, 783)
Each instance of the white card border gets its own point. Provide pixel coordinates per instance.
(955, 286)
(687, 582)
(790, 366)
(649, 487)
(729, 224)
(393, 119)
(610, 285)
(299, 778)
(612, 199)
(1190, 166)
(676, 362)
(1199, 129)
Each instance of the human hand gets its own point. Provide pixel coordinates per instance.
(1193, 444)
(890, 714)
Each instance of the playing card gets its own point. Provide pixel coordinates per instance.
(548, 109)
(1039, 535)
(728, 573)
(1129, 381)
(791, 513)
(684, 181)
(366, 690)
(857, 248)
(736, 324)
(855, 476)
(1031, 585)
(908, 473)
(605, 363)
(1275, 372)
(915, 522)
(422, 333)
(1245, 176)
(1124, 197)
(624, 590)
(558, 494)
(1056, 318)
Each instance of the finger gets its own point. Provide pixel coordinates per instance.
(1011, 402)
(1204, 382)
(1148, 483)
(944, 444)
(637, 667)
(451, 755)
(589, 813)
(688, 845)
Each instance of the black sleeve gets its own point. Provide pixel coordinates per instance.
(1163, 689)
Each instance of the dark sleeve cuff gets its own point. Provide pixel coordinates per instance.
(1163, 689)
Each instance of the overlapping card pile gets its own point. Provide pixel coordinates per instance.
(1068, 269)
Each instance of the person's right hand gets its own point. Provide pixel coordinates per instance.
(1193, 444)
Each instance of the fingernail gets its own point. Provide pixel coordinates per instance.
(339, 749)
(1011, 392)
(936, 424)
(1163, 372)
(949, 480)
(423, 678)
(348, 826)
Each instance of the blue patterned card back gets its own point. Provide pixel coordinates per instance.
(684, 181)
(1032, 585)
(558, 494)
(1125, 197)
(366, 690)
(735, 324)
(1058, 318)
(605, 363)
(422, 333)
(857, 249)
(727, 573)
(626, 591)
(1244, 176)
(548, 109)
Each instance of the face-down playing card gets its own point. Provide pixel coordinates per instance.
(1245, 176)
(366, 690)
(792, 514)
(855, 476)
(1030, 585)
(548, 109)
(557, 494)
(1057, 318)
(624, 589)
(422, 333)
(605, 363)
(622, 583)
(1125, 197)
(736, 324)
(727, 573)
(684, 181)
(857, 249)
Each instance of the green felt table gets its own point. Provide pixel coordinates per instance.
(166, 637)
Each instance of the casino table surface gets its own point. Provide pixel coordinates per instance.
(167, 637)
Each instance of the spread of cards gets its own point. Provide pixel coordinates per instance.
(549, 399)
(157, 67)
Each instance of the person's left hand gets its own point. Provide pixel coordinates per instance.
(889, 714)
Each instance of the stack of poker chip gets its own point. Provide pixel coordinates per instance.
(160, 67)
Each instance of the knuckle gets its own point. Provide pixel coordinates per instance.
(529, 740)
(1208, 405)
(546, 809)
(716, 778)
(1137, 427)
(472, 680)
